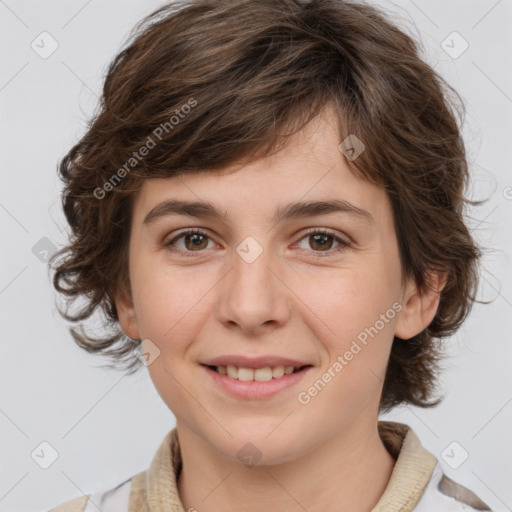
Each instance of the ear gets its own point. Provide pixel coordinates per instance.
(126, 314)
(419, 306)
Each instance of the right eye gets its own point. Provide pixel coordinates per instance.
(193, 239)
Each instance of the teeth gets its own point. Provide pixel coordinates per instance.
(278, 372)
(245, 374)
(232, 372)
(263, 374)
(259, 374)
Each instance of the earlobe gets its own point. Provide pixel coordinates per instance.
(127, 317)
(419, 306)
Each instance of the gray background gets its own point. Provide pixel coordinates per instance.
(106, 427)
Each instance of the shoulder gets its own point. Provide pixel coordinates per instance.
(445, 495)
(74, 505)
(116, 499)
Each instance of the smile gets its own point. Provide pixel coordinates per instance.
(259, 374)
(255, 383)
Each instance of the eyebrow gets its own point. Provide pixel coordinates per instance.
(300, 209)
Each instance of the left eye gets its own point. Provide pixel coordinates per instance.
(318, 240)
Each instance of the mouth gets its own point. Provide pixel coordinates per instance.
(263, 374)
(255, 383)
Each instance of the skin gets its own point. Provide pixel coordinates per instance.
(294, 300)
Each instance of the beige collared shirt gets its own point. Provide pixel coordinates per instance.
(417, 483)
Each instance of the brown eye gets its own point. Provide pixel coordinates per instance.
(193, 241)
(321, 241)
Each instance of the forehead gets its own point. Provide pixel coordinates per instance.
(310, 168)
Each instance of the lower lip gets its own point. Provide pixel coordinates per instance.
(253, 389)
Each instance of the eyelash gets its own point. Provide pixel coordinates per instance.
(313, 231)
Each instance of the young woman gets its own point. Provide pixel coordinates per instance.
(268, 208)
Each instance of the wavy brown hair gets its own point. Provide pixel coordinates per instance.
(257, 72)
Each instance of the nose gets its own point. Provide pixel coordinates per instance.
(253, 296)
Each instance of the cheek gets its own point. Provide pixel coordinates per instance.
(167, 304)
(170, 309)
(351, 314)
(354, 322)
(348, 300)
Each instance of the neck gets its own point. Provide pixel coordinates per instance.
(352, 469)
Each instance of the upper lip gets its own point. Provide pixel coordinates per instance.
(254, 362)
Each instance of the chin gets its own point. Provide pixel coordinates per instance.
(259, 445)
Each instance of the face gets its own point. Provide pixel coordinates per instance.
(321, 289)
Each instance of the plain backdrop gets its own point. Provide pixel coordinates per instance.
(105, 427)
